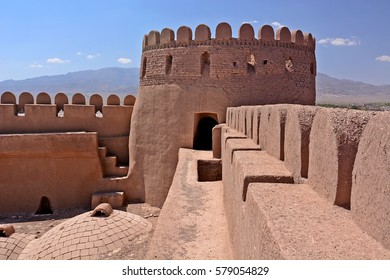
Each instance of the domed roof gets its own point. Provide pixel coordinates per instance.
(86, 236)
(12, 246)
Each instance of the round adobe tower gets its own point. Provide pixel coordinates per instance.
(187, 84)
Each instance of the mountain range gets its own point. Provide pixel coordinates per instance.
(124, 81)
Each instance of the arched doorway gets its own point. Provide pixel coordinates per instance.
(203, 136)
(44, 207)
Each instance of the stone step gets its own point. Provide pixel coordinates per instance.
(102, 152)
(120, 171)
(110, 167)
(110, 162)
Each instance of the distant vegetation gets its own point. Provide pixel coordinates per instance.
(385, 106)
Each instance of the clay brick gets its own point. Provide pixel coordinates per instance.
(334, 140)
(370, 196)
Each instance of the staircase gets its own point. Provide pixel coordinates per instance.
(109, 163)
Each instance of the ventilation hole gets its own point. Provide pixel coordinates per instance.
(143, 73)
(289, 65)
(265, 61)
(251, 64)
(168, 65)
(251, 68)
(234, 64)
(205, 64)
(99, 214)
(44, 207)
(102, 210)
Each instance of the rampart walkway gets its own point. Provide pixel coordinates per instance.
(192, 223)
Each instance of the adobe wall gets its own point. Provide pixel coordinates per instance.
(52, 149)
(334, 140)
(41, 115)
(344, 152)
(370, 198)
(298, 126)
(237, 64)
(65, 167)
(162, 122)
(184, 74)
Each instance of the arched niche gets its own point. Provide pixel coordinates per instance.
(203, 130)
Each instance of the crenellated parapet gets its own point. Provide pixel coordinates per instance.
(266, 36)
(189, 74)
(41, 114)
(272, 67)
(61, 99)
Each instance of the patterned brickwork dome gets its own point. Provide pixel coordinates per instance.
(12, 246)
(87, 237)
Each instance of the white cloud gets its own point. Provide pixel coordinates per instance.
(79, 53)
(57, 60)
(92, 56)
(124, 60)
(36, 65)
(383, 58)
(353, 41)
(277, 24)
(251, 22)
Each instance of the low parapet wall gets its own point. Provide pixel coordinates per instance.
(340, 155)
(64, 167)
(111, 121)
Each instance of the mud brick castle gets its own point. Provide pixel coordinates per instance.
(294, 181)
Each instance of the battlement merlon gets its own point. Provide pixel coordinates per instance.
(246, 36)
(61, 99)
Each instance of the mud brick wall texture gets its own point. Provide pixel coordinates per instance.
(193, 72)
(340, 155)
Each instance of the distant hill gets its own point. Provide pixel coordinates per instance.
(332, 90)
(124, 81)
(105, 81)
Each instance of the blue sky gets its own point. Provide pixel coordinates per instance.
(58, 36)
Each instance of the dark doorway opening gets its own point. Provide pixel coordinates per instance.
(44, 207)
(203, 137)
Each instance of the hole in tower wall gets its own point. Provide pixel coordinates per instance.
(44, 207)
(168, 65)
(251, 68)
(251, 64)
(143, 71)
(203, 136)
(265, 61)
(205, 64)
(312, 68)
(289, 65)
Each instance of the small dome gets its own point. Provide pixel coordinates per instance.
(87, 237)
(12, 246)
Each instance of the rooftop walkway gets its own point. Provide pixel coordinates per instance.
(192, 223)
